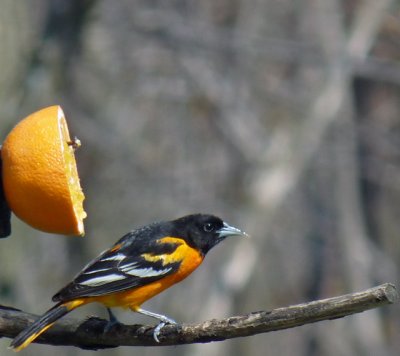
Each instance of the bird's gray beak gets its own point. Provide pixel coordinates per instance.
(228, 230)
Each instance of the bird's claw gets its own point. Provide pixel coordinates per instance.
(110, 324)
(158, 328)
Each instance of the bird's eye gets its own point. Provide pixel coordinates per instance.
(208, 227)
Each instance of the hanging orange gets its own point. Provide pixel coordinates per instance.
(40, 178)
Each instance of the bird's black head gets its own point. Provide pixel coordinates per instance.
(204, 231)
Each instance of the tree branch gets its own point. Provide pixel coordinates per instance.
(89, 334)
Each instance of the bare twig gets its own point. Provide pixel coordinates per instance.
(89, 334)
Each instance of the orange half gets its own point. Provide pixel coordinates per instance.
(40, 177)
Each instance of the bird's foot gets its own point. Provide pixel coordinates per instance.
(111, 322)
(157, 329)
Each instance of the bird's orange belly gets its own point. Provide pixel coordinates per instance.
(133, 298)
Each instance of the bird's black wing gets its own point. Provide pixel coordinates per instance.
(128, 264)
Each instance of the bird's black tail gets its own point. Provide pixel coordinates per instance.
(25, 337)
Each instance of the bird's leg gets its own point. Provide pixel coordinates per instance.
(162, 318)
(112, 321)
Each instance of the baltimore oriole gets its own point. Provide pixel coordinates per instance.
(140, 265)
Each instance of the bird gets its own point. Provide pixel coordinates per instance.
(140, 265)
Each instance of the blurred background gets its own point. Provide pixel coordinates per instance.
(281, 117)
